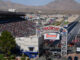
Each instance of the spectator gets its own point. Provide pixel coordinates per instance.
(18, 28)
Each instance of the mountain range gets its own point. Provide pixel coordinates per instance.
(55, 6)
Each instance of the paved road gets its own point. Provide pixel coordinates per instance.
(52, 58)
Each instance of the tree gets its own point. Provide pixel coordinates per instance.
(7, 42)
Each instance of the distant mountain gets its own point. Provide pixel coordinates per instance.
(63, 5)
(6, 5)
(58, 6)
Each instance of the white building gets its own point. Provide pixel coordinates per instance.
(12, 10)
(26, 42)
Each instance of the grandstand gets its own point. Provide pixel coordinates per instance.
(23, 30)
(14, 23)
(7, 13)
(19, 27)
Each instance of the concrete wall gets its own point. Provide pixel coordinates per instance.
(26, 42)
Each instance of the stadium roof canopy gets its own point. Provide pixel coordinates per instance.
(7, 13)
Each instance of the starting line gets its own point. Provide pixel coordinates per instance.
(51, 33)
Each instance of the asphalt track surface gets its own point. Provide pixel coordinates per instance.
(74, 31)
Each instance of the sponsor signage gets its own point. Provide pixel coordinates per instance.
(51, 28)
(78, 49)
(53, 36)
(64, 43)
(53, 33)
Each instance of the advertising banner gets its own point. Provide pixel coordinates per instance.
(54, 36)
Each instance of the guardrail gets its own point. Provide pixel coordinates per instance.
(71, 26)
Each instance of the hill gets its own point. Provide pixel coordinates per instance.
(57, 6)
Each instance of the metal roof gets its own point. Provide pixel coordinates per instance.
(7, 13)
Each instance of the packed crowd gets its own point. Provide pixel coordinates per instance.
(22, 28)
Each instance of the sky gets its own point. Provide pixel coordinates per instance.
(34, 2)
(78, 1)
